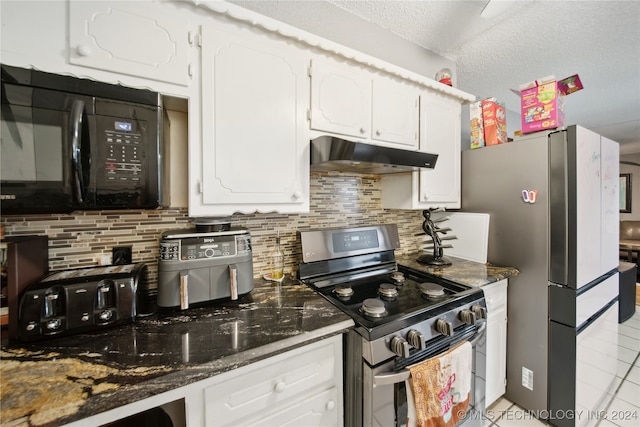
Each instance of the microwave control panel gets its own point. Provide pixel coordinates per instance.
(124, 154)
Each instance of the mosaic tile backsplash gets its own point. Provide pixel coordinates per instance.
(337, 200)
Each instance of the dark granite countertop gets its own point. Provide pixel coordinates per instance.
(462, 271)
(56, 381)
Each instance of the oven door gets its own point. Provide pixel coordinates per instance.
(385, 395)
(45, 149)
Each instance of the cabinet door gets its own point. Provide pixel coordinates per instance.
(496, 298)
(395, 114)
(340, 99)
(254, 143)
(319, 410)
(440, 134)
(121, 37)
(301, 385)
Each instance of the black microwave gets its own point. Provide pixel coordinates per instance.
(76, 144)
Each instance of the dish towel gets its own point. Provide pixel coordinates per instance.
(439, 389)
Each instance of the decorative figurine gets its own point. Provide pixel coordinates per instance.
(431, 230)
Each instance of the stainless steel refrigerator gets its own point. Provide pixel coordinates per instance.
(553, 201)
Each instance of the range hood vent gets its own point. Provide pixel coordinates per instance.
(329, 153)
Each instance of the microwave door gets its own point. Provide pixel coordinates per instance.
(36, 166)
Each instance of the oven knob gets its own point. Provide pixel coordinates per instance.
(480, 312)
(444, 327)
(467, 316)
(417, 339)
(399, 346)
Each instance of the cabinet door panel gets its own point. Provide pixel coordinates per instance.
(253, 121)
(441, 129)
(320, 410)
(121, 37)
(395, 114)
(340, 99)
(496, 298)
(272, 388)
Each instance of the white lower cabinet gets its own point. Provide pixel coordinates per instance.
(495, 296)
(302, 387)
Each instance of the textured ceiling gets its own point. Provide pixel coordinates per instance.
(599, 40)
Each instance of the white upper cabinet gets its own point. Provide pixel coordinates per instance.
(254, 152)
(439, 134)
(395, 113)
(340, 99)
(440, 128)
(351, 101)
(123, 38)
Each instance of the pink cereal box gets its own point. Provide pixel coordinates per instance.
(494, 118)
(477, 127)
(542, 102)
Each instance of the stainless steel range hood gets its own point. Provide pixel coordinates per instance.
(329, 153)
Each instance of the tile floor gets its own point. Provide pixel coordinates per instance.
(625, 400)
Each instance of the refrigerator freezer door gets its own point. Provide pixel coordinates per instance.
(575, 207)
(576, 309)
(582, 368)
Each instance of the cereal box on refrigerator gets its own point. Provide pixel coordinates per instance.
(494, 117)
(477, 127)
(542, 102)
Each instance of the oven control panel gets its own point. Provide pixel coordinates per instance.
(465, 322)
(322, 245)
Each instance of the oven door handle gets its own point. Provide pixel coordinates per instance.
(403, 375)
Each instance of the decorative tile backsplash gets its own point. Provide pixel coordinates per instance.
(337, 200)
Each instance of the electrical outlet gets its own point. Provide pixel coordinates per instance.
(121, 255)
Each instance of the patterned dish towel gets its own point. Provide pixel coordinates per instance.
(439, 389)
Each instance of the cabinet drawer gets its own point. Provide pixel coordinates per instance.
(261, 388)
(319, 410)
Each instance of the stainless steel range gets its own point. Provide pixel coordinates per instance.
(402, 317)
